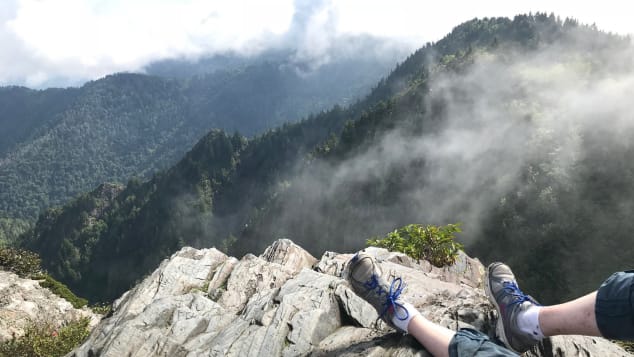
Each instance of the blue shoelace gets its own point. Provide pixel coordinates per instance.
(518, 296)
(391, 297)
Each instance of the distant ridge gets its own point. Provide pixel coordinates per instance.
(57, 143)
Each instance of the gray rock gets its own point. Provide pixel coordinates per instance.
(163, 311)
(187, 269)
(251, 275)
(286, 303)
(24, 302)
(362, 313)
(576, 346)
(332, 263)
(289, 254)
(218, 283)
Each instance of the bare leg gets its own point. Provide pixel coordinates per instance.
(575, 317)
(433, 337)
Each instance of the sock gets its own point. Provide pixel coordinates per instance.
(528, 322)
(411, 312)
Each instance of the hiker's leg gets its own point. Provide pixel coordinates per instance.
(576, 317)
(433, 337)
(608, 312)
(441, 341)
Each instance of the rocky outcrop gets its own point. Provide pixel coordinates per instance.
(287, 303)
(24, 302)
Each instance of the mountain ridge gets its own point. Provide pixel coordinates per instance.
(131, 124)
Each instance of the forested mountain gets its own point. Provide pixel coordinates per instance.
(34, 109)
(520, 129)
(57, 143)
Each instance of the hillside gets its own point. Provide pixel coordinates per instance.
(518, 128)
(34, 111)
(58, 143)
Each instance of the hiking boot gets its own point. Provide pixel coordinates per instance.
(502, 290)
(364, 275)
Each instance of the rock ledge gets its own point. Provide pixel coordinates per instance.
(287, 303)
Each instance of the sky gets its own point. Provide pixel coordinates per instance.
(66, 42)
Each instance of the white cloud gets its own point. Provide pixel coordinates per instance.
(87, 39)
(75, 40)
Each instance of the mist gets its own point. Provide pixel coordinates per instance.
(510, 119)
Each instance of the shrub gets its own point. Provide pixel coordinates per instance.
(20, 261)
(62, 291)
(101, 309)
(433, 243)
(47, 340)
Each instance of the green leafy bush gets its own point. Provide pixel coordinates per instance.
(20, 261)
(433, 243)
(47, 340)
(62, 291)
(101, 308)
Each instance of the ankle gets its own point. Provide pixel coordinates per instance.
(528, 322)
(403, 314)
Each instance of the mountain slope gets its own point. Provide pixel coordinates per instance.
(517, 128)
(118, 126)
(25, 111)
(200, 201)
(58, 143)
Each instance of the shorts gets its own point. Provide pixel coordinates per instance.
(614, 307)
(469, 342)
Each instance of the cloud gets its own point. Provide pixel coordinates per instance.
(509, 115)
(88, 39)
(70, 41)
